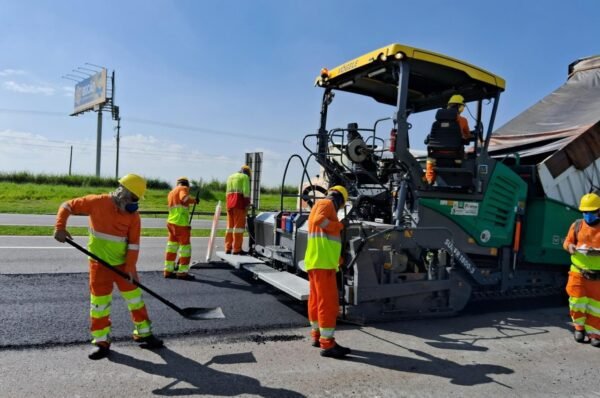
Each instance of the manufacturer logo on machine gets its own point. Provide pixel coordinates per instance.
(348, 66)
(462, 259)
(462, 208)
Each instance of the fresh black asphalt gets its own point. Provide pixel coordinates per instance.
(38, 310)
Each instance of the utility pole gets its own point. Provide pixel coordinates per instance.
(98, 142)
(118, 118)
(70, 159)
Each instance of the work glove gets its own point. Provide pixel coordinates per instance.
(61, 235)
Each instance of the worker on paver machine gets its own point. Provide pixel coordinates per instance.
(449, 134)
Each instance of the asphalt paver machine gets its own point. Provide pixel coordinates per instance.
(410, 248)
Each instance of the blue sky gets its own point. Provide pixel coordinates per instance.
(200, 83)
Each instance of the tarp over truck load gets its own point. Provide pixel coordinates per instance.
(560, 135)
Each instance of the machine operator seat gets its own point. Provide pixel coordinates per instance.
(445, 144)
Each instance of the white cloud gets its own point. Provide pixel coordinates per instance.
(28, 88)
(10, 72)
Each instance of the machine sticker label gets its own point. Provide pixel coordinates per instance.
(462, 259)
(465, 209)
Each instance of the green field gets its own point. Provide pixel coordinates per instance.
(34, 198)
(27, 193)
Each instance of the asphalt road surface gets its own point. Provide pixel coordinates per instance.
(46, 309)
(262, 348)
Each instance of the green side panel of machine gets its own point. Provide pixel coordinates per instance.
(489, 222)
(545, 228)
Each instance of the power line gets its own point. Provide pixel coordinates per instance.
(202, 130)
(83, 146)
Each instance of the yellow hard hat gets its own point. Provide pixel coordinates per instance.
(342, 190)
(457, 99)
(135, 184)
(183, 179)
(589, 202)
(246, 169)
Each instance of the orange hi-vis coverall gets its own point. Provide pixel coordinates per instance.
(464, 127)
(114, 236)
(322, 261)
(238, 199)
(430, 174)
(178, 225)
(584, 294)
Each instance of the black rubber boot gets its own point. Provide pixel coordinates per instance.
(315, 343)
(150, 342)
(579, 336)
(184, 276)
(595, 343)
(169, 274)
(337, 351)
(99, 351)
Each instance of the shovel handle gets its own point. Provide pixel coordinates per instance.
(194, 207)
(125, 276)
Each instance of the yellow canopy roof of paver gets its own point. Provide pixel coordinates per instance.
(433, 77)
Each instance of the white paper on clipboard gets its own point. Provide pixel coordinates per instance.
(213, 232)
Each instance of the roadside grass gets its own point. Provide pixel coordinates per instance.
(20, 230)
(75, 180)
(32, 198)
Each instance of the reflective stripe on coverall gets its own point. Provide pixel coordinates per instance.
(238, 199)
(322, 260)
(114, 237)
(584, 294)
(179, 230)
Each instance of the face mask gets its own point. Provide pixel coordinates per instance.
(131, 207)
(591, 218)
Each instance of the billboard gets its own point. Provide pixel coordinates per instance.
(90, 92)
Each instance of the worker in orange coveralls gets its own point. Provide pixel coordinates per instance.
(583, 286)
(322, 259)
(114, 236)
(178, 225)
(238, 201)
(456, 102)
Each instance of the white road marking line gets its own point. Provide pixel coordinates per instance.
(33, 247)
